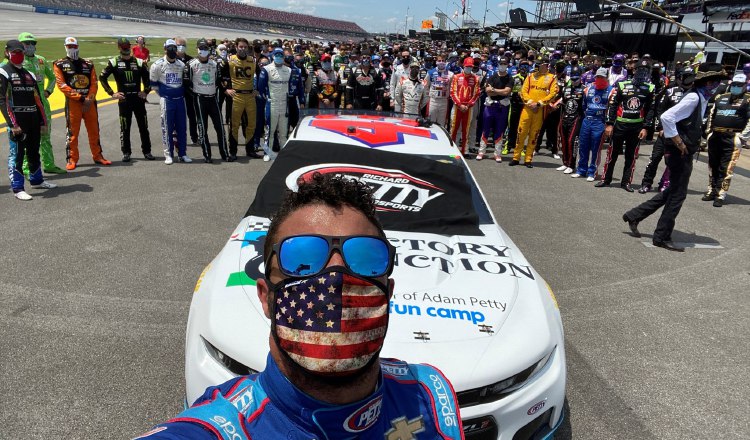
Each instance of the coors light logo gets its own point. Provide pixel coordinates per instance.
(394, 190)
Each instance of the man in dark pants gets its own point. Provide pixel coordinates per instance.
(553, 111)
(516, 105)
(203, 82)
(130, 72)
(21, 106)
(682, 134)
(630, 111)
(684, 80)
(189, 107)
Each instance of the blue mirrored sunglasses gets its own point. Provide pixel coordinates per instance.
(304, 255)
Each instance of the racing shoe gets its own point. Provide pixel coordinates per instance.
(185, 159)
(70, 166)
(168, 160)
(627, 187)
(561, 168)
(633, 226)
(513, 163)
(708, 196)
(498, 158)
(568, 170)
(644, 189)
(480, 156)
(266, 158)
(718, 202)
(575, 175)
(126, 158)
(556, 156)
(505, 150)
(102, 161)
(590, 179)
(54, 169)
(23, 195)
(45, 185)
(601, 184)
(529, 165)
(148, 156)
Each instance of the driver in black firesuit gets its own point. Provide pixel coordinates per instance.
(364, 87)
(130, 73)
(570, 123)
(729, 130)
(630, 111)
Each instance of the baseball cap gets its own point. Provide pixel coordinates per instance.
(26, 36)
(469, 62)
(170, 42)
(202, 43)
(12, 45)
(221, 47)
(414, 63)
(123, 41)
(325, 57)
(602, 72)
(739, 78)
(71, 41)
(278, 50)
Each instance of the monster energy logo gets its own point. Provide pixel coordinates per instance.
(129, 75)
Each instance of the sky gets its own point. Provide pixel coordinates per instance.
(390, 15)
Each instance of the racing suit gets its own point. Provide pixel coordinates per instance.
(37, 66)
(669, 98)
(551, 124)
(21, 106)
(364, 90)
(616, 77)
(478, 110)
(167, 79)
(129, 75)
(241, 73)
(296, 95)
(631, 108)
(495, 114)
(729, 130)
(189, 101)
(385, 77)
(203, 82)
(410, 402)
(592, 129)
(464, 92)
(540, 89)
(325, 86)
(273, 84)
(570, 122)
(440, 84)
(396, 74)
(76, 79)
(344, 73)
(410, 96)
(516, 106)
(588, 77)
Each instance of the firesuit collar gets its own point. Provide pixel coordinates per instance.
(312, 415)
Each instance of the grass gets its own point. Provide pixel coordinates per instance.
(97, 49)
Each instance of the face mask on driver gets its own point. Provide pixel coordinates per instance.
(203, 53)
(278, 59)
(171, 52)
(330, 324)
(467, 70)
(326, 65)
(601, 83)
(440, 65)
(16, 58)
(72, 53)
(736, 90)
(29, 50)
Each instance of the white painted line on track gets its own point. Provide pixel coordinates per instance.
(649, 244)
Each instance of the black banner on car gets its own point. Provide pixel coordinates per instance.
(412, 193)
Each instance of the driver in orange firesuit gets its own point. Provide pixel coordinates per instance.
(76, 79)
(538, 90)
(465, 89)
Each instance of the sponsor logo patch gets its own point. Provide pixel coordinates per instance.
(536, 408)
(364, 417)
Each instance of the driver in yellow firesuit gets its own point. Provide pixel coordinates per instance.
(538, 90)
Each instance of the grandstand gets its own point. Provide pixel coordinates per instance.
(221, 13)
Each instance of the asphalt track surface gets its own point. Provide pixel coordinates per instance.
(97, 278)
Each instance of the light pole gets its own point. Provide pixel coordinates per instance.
(484, 20)
(507, 10)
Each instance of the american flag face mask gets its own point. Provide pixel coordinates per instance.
(332, 323)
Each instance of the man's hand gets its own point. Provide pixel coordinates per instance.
(608, 131)
(118, 95)
(463, 108)
(349, 106)
(643, 133)
(302, 106)
(87, 104)
(255, 94)
(142, 95)
(231, 93)
(533, 104)
(659, 133)
(16, 131)
(379, 108)
(326, 101)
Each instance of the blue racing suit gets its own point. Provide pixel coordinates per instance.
(167, 80)
(410, 401)
(590, 138)
(296, 95)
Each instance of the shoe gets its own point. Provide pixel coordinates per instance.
(70, 166)
(45, 185)
(575, 175)
(148, 156)
(266, 158)
(54, 169)
(561, 168)
(231, 158)
(513, 163)
(589, 179)
(505, 151)
(185, 159)
(498, 158)
(668, 245)
(644, 189)
(23, 195)
(102, 161)
(126, 158)
(168, 160)
(208, 160)
(627, 188)
(708, 197)
(718, 203)
(601, 184)
(480, 156)
(529, 165)
(633, 226)
(255, 155)
(568, 170)
(556, 156)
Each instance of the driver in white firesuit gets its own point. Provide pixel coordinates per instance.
(273, 85)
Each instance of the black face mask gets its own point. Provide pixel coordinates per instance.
(172, 53)
(300, 63)
(405, 61)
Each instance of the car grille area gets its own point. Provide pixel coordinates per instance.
(480, 428)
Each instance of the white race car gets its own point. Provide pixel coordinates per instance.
(466, 300)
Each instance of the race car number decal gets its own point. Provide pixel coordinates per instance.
(372, 133)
